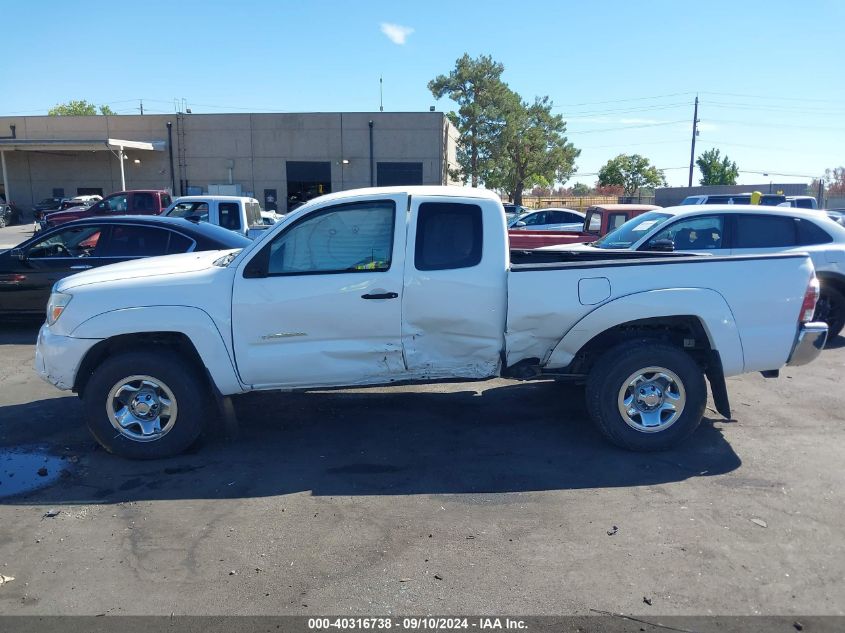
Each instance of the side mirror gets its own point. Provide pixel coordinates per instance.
(519, 224)
(665, 246)
(19, 253)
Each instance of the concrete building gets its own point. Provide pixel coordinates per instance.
(278, 158)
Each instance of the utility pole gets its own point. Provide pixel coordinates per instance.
(695, 122)
(381, 94)
(142, 107)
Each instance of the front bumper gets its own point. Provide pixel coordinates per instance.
(808, 344)
(57, 358)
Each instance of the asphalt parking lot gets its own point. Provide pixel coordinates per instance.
(13, 235)
(485, 497)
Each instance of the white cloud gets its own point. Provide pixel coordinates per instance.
(396, 33)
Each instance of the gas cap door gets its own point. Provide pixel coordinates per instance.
(593, 290)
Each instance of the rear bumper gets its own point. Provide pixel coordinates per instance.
(808, 344)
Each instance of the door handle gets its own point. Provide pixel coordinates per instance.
(381, 295)
(81, 267)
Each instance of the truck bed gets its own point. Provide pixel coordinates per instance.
(573, 293)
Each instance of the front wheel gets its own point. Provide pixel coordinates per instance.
(646, 395)
(145, 405)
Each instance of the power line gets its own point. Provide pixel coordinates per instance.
(630, 127)
(778, 124)
(769, 98)
(575, 105)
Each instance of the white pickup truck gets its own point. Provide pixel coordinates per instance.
(236, 213)
(389, 285)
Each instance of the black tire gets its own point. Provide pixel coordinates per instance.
(182, 379)
(610, 373)
(831, 310)
(2, 221)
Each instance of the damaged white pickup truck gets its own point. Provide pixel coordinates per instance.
(380, 286)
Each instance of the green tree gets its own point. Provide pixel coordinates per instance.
(530, 149)
(715, 169)
(581, 189)
(476, 86)
(79, 107)
(630, 172)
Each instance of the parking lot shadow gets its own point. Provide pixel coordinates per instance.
(19, 330)
(494, 437)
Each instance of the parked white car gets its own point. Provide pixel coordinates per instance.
(271, 217)
(743, 230)
(236, 213)
(376, 286)
(552, 219)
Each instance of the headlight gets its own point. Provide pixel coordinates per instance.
(56, 305)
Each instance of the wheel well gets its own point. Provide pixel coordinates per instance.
(140, 341)
(837, 281)
(685, 332)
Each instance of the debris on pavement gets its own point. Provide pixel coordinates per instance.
(612, 531)
(798, 626)
(438, 577)
(5, 579)
(760, 522)
(647, 600)
(50, 514)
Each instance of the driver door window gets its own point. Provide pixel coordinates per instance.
(115, 204)
(349, 238)
(80, 241)
(534, 219)
(694, 234)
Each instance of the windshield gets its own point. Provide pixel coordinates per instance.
(632, 230)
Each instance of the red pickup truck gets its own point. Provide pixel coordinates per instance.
(600, 219)
(136, 202)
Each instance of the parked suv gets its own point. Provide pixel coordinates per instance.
(137, 202)
(766, 199)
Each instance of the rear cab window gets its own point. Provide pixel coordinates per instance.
(449, 236)
(593, 221)
(230, 215)
(143, 202)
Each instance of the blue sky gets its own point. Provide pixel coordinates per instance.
(624, 74)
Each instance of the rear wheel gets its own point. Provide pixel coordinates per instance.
(145, 405)
(831, 309)
(646, 396)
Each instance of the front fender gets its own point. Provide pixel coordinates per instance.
(194, 323)
(708, 305)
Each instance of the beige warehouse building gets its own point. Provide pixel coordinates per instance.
(280, 159)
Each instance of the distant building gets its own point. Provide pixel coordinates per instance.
(281, 159)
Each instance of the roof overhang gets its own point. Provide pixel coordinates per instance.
(78, 145)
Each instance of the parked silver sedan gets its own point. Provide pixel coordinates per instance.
(552, 219)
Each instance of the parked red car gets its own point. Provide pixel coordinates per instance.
(600, 219)
(136, 202)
